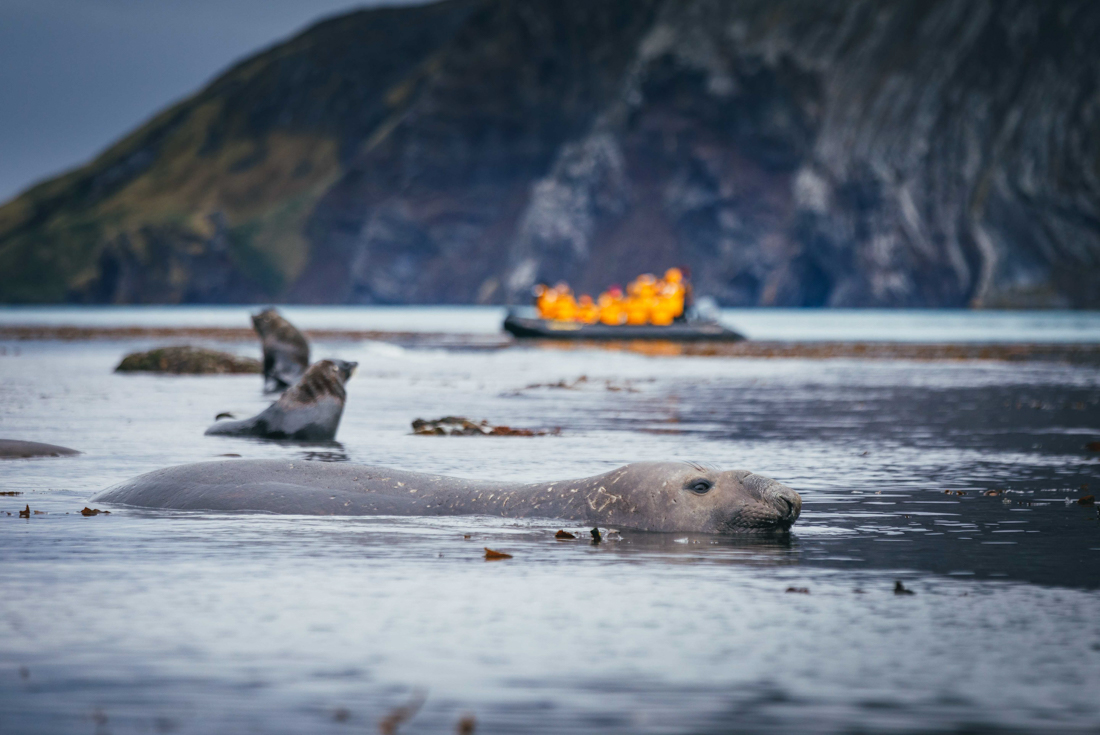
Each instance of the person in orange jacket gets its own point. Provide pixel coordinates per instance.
(663, 309)
(689, 298)
(673, 292)
(612, 309)
(565, 306)
(587, 311)
(637, 302)
(542, 297)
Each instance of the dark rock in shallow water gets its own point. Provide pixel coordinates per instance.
(185, 360)
(793, 153)
(17, 449)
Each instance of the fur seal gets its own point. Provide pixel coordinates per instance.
(647, 496)
(17, 449)
(308, 411)
(286, 351)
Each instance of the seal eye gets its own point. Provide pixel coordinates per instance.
(700, 487)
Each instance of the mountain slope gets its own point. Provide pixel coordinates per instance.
(907, 153)
(208, 201)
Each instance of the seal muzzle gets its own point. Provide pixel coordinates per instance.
(782, 501)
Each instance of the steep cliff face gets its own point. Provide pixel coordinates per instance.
(845, 154)
(791, 152)
(427, 211)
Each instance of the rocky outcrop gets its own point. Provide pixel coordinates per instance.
(187, 360)
(790, 152)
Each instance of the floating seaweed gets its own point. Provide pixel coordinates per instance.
(389, 724)
(461, 426)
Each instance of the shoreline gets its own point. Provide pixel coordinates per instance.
(1086, 353)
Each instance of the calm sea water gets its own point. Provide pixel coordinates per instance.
(764, 324)
(200, 622)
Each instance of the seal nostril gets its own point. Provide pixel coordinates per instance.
(786, 507)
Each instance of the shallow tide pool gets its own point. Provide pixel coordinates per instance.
(152, 622)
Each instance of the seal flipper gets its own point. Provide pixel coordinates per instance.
(241, 427)
(307, 423)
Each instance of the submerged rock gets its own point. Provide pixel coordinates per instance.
(187, 360)
(18, 449)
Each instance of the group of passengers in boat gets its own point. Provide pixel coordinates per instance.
(648, 300)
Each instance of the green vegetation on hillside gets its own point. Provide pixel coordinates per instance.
(209, 200)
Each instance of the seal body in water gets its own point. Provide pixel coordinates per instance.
(286, 351)
(648, 496)
(309, 411)
(18, 449)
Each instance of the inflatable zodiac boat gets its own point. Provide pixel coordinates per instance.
(530, 326)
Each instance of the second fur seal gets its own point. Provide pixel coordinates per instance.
(286, 351)
(309, 411)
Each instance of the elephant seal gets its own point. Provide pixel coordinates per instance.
(17, 449)
(309, 411)
(286, 351)
(647, 496)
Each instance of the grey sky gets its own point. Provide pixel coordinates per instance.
(76, 75)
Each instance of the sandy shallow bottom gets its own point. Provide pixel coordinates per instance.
(198, 622)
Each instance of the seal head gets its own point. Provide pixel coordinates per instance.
(310, 410)
(689, 496)
(286, 351)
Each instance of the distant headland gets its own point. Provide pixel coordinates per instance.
(790, 153)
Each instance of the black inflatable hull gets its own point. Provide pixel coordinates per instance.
(694, 331)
